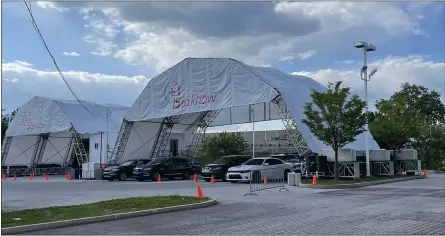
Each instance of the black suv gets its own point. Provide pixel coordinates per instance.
(124, 170)
(219, 168)
(169, 167)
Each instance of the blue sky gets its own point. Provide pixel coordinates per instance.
(120, 46)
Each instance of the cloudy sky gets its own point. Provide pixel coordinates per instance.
(109, 51)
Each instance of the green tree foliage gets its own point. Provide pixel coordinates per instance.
(5, 122)
(335, 117)
(422, 101)
(431, 145)
(414, 116)
(394, 124)
(222, 144)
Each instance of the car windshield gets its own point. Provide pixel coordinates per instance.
(223, 160)
(156, 161)
(127, 163)
(254, 162)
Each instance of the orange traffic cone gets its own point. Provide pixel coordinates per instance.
(15, 177)
(314, 180)
(425, 173)
(265, 180)
(212, 180)
(30, 177)
(200, 194)
(46, 176)
(66, 176)
(159, 178)
(195, 179)
(3, 176)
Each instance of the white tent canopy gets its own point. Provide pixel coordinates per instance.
(57, 119)
(45, 115)
(202, 84)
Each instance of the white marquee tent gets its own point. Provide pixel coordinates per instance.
(59, 119)
(240, 92)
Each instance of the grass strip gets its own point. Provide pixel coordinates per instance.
(331, 181)
(57, 213)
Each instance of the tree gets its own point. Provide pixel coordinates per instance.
(394, 124)
(431, 145)
(423, 101)
(222, 144)
(5, 122)
(337, 117)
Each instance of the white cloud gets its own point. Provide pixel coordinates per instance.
(25, 82)
(159, 35)
(103, 47)
(51, 5)
(71, 54)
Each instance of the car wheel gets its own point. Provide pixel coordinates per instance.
(155, 177)
(186, 175)
(207, 180)
(122, 177)
(224, 178)
(233, 181)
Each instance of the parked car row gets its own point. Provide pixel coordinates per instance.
(147, 169)
(233, 168)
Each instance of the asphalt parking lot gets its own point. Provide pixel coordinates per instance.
(409, 207)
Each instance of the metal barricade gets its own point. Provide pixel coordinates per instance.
(266, 178)
(37, 171)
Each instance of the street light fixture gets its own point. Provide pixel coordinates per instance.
(365, 47)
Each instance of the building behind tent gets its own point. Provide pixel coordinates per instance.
(44, 132)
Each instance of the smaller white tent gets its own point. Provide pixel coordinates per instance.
(59, 119)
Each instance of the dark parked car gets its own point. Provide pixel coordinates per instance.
(219, 168)
(169, 167)
(124, 170)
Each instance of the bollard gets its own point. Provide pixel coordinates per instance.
(291, 179)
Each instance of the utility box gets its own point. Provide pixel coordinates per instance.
(406, 155)
(344, 155)
(376, 154)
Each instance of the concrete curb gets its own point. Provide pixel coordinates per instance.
(96, 219)
(358, 185)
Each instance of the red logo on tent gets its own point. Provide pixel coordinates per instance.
(188, 102)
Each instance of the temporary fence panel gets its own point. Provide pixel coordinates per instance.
(266, 178)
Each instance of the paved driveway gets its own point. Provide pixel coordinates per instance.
(410, 207)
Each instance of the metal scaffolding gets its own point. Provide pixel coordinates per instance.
(291, 128)
(198, 135)
(121, 142)
(163, 135)
(39, 148)
(76, 150)
(5, 148)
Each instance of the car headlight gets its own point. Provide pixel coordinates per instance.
(218, 168)
(146, 169)
(114, 170)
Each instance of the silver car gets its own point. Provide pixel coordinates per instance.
(257, 169)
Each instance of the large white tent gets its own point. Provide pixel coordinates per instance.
(240, 93)
(57, 121)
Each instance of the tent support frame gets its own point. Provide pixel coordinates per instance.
(163, 135)
(199, 134)
(5, 148)
(121, 142)
(291, 127)
(76, 149)
(39, 148)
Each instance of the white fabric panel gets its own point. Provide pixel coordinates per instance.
(21, 150)
(141, 140)
(206, 84)
(56, 148)
(38, 116)
(296, 92)
(95, 153)
(195, 85)
(45, 115)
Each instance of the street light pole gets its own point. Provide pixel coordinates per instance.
(253, 132)
(364, 76)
